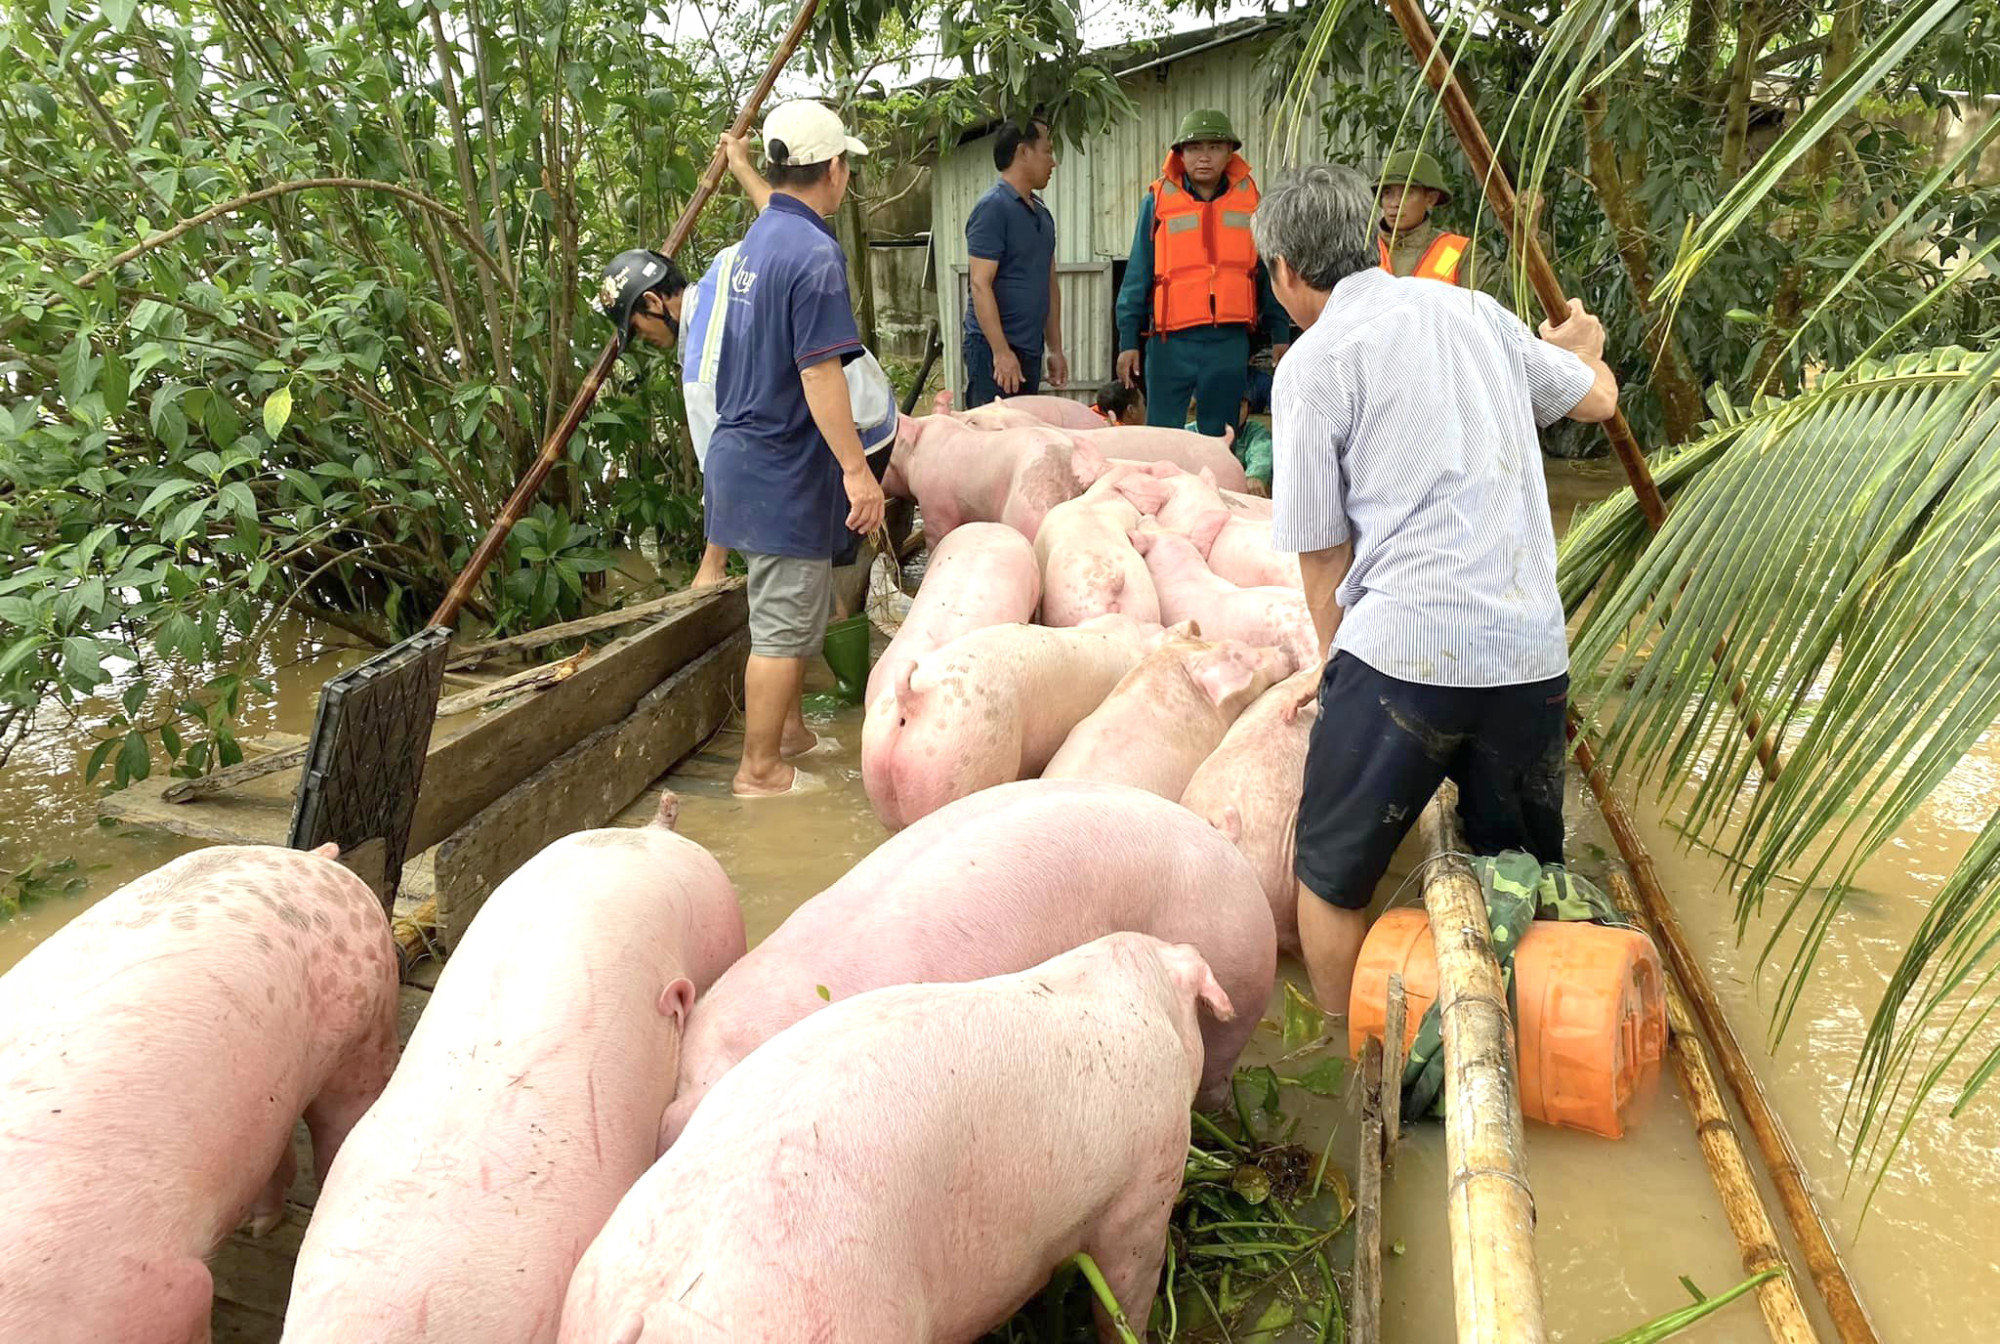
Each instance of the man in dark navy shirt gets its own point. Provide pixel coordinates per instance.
(1010, 238)
(785, 452)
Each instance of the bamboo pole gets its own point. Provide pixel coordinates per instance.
(1802, 1213)
(1367, 1304)
(1496, 1284)
(1500, 194)
(1742, 1204)
(552, 448)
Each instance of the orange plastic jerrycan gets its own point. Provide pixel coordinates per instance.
(1591, 1024)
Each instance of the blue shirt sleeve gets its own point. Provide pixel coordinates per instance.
(822, 317)
(985, 230)
(1136, 294)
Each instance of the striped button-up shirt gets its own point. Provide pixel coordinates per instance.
(1403, 420)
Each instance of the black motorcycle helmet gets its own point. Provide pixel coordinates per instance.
(632, 275)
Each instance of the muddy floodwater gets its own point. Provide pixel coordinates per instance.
(1619, 1222)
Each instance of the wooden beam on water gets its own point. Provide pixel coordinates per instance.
(1742, 1204)
(1367, 1304)
(469, 767)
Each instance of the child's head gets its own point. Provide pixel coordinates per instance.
(1121, 405)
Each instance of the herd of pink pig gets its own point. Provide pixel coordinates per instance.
(615, 1125)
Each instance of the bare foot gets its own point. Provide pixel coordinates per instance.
(707, 578)
(747, 785)
(785, 780)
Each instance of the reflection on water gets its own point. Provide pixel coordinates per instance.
(1617, 1222)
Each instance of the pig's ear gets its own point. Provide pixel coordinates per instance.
(1142, 540)
(329, 850)
(1208, 477)
(1165, 470)
(669, 812)
(1232, 824)
(941, 403)
(1219, 678)
(1207, 528)
(632, 1329)
(677, 1000)
(1208, 990)
(1183, 630)
(1087, 463)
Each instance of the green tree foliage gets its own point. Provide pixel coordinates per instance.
(1636, 121)
(298, 287)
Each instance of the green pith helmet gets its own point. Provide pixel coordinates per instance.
(1413, 167)
(1207, 124)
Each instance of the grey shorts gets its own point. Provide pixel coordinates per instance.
(789, 602)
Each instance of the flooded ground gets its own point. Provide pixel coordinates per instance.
(1619, 1222)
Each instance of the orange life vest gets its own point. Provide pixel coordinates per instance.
(1204, 259)
(1439, 261)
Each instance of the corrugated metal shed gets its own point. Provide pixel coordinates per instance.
(1097, 187)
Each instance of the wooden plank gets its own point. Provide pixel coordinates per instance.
(475, 654)
(471, 764)
(1367, 1304)
(589, 784)
(1394, 1028)
(473, 770)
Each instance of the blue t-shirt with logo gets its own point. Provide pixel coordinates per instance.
(772, 485)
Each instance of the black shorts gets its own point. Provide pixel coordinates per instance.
(850, 546)
(1382, 746)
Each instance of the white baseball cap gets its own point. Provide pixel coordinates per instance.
(808, 132)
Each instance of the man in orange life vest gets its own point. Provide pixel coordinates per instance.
(1195, 281)
(1412, 186)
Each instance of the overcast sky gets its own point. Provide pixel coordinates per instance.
(1106, 23)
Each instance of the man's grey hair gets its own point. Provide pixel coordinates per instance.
(1321, 220)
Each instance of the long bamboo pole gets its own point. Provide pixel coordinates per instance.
(1722, 1149)
(553, 447)
(1500, 193)
(1809, 1228)
(1496, 1284)
(1808, 1224)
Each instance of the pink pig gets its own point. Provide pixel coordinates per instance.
(958, 474)
(529, 1099)
(1238, 548)
(1089, 567)
(989, 707)
(1179, 499)
(1063, 412)
(982, 574)
(1268, 617)
(1168, 714)
(155, 1054)
(911, 1165)
(995, 883)
(1253, 506)
(1184, 448)
(1249, 789)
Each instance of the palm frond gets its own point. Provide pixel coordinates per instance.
(1837, 556)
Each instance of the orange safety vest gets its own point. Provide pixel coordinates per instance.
(1439, 261)
(1204, 259)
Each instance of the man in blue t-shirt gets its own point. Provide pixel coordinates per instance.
(785, 451)
(1010, 238)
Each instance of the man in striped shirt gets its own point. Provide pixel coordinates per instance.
(1407, 476)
